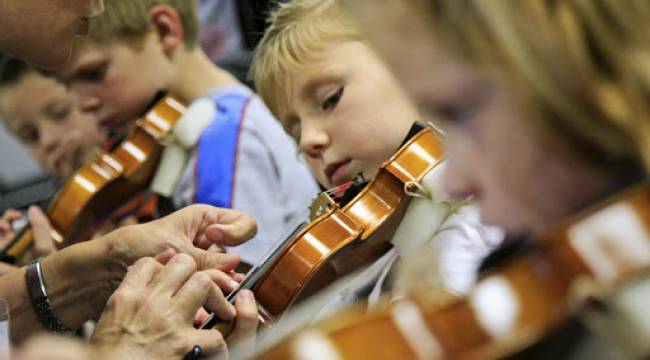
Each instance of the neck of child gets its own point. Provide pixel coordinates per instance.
(198, 75)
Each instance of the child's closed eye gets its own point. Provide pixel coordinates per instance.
(28, 134)
(59, 111)
(93, 73)
(333, 100)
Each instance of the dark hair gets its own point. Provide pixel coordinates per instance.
(12, 70)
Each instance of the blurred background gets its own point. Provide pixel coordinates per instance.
(230, 30)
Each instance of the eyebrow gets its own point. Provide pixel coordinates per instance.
(308, 90)
(52, 104)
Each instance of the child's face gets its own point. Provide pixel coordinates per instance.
(521, 179)
(42, 32)
(116, 81)
(348, 115)
(46, 117)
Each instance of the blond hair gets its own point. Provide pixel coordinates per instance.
(129, 20)
(298, 30)
(581, 66)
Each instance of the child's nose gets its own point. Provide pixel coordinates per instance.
(313, 141)
(50, 138)
(458, 183)
(89, 103)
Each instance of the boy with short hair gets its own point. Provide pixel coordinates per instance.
(238, 156)
(348, 114)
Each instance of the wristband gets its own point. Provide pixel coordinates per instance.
(42, 305)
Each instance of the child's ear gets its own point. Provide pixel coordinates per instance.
(168, 26)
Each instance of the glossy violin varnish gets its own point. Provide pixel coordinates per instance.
(101, 185)
(342, 237)
(311, 262)
(600, 254)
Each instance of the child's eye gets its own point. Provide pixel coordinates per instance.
(331, 102)
(29, 135)
(454, 113)
(61, 112)
(94, 73)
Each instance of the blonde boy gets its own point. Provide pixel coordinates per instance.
(348, 115)
(241, 158)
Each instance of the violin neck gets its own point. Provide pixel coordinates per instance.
(256, 273)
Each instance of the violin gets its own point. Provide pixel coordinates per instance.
(100, 186)
(341, 237)
(593, 258)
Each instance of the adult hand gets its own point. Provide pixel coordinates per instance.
(153, 310)
(80, 278)
(190, 230)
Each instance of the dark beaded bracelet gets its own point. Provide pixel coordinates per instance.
(42, 306)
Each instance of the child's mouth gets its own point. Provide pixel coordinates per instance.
(336, 172)
(111, 123)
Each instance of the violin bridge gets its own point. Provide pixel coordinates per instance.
(320, 206)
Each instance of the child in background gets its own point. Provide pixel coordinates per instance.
(337, 99)
(240, 158)
(47, 120)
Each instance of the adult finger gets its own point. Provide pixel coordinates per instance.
(173, 275)
(141, 273)
(216, 248)
(212, 260)
(201, 290)
(202, 242)
(223, 280)
(239, 230)
(41, 229)
(237, 276)
(211, 341)
(193, 221)
(201, 315)
(165, 256)
(246, 322)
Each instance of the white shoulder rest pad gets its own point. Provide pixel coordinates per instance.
(185, 136)
(191, 125)
(172, 161)
(423, 216)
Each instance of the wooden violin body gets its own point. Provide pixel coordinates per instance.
(513, 306)
(343, 238)
(108, 180)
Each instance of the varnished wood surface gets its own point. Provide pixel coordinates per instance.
(312, 257)
(514, 306)
(105, 182)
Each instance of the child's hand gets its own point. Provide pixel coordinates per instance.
(41, 228)
(6, 230)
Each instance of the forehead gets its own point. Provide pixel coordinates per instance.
(422, 64)
(333, 62)
(86, 52)
(19, 103)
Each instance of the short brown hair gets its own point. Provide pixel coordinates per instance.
(129, 19)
